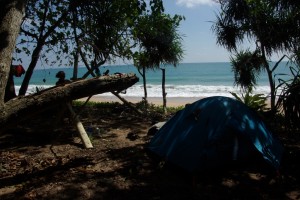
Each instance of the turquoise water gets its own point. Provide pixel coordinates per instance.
(185, 80)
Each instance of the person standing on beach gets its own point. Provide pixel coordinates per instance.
(17, 71)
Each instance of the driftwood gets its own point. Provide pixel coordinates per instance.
(26, 106)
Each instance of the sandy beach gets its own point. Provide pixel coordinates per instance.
(171, 101)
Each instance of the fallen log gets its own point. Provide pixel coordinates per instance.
(26, 106)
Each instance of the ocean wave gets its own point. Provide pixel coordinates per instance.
(188, 91)
(172, 90)
(33, 88)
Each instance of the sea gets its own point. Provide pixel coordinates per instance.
(184, 80)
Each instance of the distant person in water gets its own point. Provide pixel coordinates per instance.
(17, 71)
(61, 78)
(106, 73)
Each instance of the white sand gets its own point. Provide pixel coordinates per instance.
(171, 101)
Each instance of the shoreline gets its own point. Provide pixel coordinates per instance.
(158, 101)
(171, 101)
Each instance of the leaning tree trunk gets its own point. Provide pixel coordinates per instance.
(164, 94)
(75, 70)
(272, 89)
(34, 59)
(145, 85)
(145, 98)
(11, 14)
(127, 103)
(23, 107)
(271, 81)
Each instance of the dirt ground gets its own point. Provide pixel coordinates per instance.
(47, 161)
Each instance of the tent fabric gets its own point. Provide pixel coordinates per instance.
(214, 130)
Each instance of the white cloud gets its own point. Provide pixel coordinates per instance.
(193, 3)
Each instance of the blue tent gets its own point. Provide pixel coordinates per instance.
(212, 131)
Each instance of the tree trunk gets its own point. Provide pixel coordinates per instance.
(145, 85)
(11, 14)
(91, 70)
(75, 70)
(272, 89)
(271, 81)
(127, 103)
(34, 59)
(78, 43)
(26, 106)
(10, 88)
(164, 94)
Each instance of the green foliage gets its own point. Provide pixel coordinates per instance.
(158, 39)
(246, 67)
(255, 101)
(288, 100)
(98, 105)
(99, 31)
(45, 24)
(153, 109)
(105, 30)
(272, 25)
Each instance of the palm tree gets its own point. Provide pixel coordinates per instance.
(160, 43)
(142, 63)
(272, 25)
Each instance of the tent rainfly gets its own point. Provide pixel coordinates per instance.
(213, 131)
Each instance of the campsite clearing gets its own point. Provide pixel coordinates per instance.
(37, 163)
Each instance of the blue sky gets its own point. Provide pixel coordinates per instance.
(199, 41)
